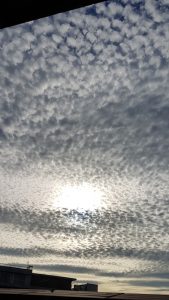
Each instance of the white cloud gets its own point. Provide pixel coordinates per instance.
(114, 9)
(85, 97)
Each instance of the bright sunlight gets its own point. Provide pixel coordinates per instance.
(79, 197)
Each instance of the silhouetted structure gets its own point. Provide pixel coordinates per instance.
(15, 277)
(49, 282)
(12, 277)
(86, 287)
(66, 295)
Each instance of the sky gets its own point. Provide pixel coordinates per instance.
(84, 145)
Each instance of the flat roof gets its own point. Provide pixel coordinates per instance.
(53, 276)
(4, 268)
(78, 295)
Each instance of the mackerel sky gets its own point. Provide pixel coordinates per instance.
(84, 112)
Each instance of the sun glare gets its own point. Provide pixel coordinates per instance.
(79, 197)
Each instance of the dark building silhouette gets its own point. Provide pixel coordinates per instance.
(13, 277)
(86, 287)
(49, 282)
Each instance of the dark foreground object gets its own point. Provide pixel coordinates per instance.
(13, 12)
(68, 295)
(24, 278)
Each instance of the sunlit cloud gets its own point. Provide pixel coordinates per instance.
(84, 122)
(79, 197)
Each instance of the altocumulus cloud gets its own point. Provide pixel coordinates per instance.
(84, 97)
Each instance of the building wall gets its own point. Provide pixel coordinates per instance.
(86, 287)
(49, 282)
(24, 278)
(14, 279)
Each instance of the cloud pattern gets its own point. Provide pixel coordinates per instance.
(84, 98)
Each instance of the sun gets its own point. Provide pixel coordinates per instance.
(79, 197)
